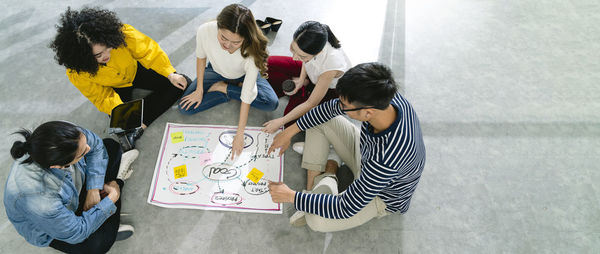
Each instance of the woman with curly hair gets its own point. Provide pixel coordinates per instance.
(106, 59)
(236, 52)
(317, 62)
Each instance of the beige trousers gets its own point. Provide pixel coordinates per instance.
(345, 138)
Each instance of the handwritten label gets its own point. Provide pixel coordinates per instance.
(177, 137)
(180, 171)
(255, 175)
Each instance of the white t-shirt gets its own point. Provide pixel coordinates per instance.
(328, 59)
(230, 66)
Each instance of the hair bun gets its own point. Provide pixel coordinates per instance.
(19, 149)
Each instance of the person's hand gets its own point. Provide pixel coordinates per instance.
(113, 190)
(281, 141)
(237, 146)
(91, 199)
(178, 80)
(299, 84)
(188, 101)
(281, 193)
(273, 125)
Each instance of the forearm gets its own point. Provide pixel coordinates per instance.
(244, 109)
(200, 68)
(303, 74)
(297, 112)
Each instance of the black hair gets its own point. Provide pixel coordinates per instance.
(368, 84)
(77, 31)
(311, 37)
(52, 143)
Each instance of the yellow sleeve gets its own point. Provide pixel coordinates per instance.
(147, 51)
(104, 98)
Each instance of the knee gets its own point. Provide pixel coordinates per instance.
(314, 223)
(111, 144)
(272, 104)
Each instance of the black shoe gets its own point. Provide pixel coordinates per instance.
(128, 139)
(275, 23)
(126, 143)
(125, 231)
(264, 26)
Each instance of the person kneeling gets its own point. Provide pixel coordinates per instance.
(386, 155)
(64, 188)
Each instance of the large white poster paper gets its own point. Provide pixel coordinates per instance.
(194, 170)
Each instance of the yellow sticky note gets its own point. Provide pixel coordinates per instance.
(255, 175)
(177, 137)
(180, 171)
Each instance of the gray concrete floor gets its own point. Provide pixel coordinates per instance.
(507, 93)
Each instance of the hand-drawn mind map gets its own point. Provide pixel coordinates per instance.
(194, 170)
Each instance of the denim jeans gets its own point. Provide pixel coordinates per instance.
(266, 99)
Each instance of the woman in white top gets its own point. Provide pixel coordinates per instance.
(236, 52)
(317, 62)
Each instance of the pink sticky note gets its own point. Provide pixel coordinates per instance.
(205, 157)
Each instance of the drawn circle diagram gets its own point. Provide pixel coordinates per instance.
(184, 188)
(225, 198)
(220, 172)
(259, 188)
(191, 152)
(226, 139)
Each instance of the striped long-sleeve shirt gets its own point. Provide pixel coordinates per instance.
(391, 164)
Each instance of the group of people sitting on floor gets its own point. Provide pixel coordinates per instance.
(64, 187)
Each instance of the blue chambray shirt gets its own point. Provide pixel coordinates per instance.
(41, 203)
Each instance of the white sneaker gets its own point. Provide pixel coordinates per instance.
(298, 219)
(125, 169)
(125, 231)
(298, 147)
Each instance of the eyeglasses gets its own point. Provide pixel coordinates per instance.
(352, 109)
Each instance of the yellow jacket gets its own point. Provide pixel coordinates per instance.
(120, 70)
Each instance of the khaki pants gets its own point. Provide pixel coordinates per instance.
(345, 138)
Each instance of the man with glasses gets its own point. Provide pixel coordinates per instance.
(386, 155)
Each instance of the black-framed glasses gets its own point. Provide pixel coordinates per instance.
(352, 109)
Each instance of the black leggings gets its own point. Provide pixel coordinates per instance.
(101, 240)
(163, 95)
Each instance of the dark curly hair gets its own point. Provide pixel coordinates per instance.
(77, 31)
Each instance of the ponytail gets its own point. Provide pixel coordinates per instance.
(311, 37)
(331, 37)
(19, 149)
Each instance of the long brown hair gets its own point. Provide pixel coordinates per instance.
(239, 19)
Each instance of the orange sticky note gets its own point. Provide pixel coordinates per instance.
(180, 171)
(255, 175)
(177, 137)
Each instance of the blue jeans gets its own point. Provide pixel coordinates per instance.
(266, 99)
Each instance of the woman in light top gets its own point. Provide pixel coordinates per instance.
(317, 62)
(236, 52)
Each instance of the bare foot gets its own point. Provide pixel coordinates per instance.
(331, 167)
(218, 87)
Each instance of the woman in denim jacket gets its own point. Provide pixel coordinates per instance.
(63, 188)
